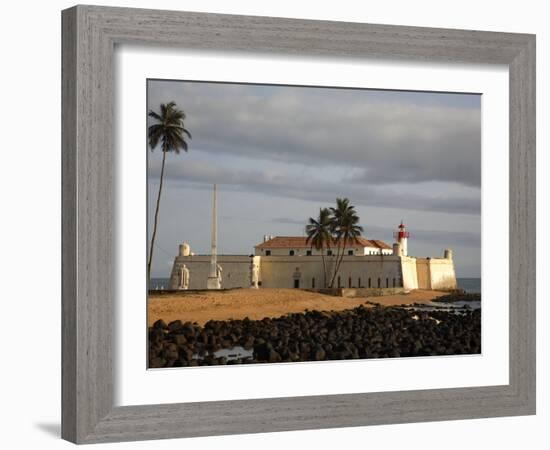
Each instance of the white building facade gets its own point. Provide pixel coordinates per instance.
(291, 262)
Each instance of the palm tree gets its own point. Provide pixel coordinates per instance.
(169, 132)
(319, 235)
(345, 229)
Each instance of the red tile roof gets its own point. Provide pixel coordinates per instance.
(381, 244)
(300, 242)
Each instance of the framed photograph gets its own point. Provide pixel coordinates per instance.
(256, 209)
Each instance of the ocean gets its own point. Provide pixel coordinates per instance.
(472, 285)
(160, 283)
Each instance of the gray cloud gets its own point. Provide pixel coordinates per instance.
(288, 220)
(388, 141)
(441, 238)
(185, 173)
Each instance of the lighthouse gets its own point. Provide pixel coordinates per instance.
(401, 236)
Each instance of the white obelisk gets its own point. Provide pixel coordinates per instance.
(213, 281)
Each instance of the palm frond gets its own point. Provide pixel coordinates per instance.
(154, 115)
(169, 129)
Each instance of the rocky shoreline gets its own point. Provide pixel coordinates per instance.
(358, 333)
(459, 297)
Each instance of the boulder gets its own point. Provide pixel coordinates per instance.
(160, 325)
(175, 325)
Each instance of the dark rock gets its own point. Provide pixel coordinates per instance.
(175, 325)
(155, 363)
(274, 357)
(261, 352)
(180, 339)
(156, 335)
(248, 344)
(188, 329)
(170, 351)
(160, 325)
(319, 354)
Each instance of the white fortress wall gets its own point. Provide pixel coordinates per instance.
(409, 271)
(374, 271)
(436, 273)
(442, 273)
(423, 273)
(283, 271)
(355, 271)
(235, 271)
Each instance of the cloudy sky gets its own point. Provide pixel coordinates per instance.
(279, 153)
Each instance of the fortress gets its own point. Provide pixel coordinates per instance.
(291, 262)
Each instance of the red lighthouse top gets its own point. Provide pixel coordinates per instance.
(402, 233)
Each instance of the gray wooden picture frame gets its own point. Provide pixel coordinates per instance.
(90, 34)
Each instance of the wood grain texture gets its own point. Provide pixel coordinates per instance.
(68, 226)
(89, 36)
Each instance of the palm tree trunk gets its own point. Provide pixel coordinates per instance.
(156, 220)
(339, 258)
(343, 254)
(333, 275)
(324, 268)
(335, 269)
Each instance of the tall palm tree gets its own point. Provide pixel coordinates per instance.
(319, 235)
(169, 131)
(345, 229)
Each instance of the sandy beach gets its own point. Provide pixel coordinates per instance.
(203, 306)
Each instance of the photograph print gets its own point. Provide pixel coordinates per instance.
(290, 224)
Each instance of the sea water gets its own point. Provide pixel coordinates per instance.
(159, 283)
(470, 285)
